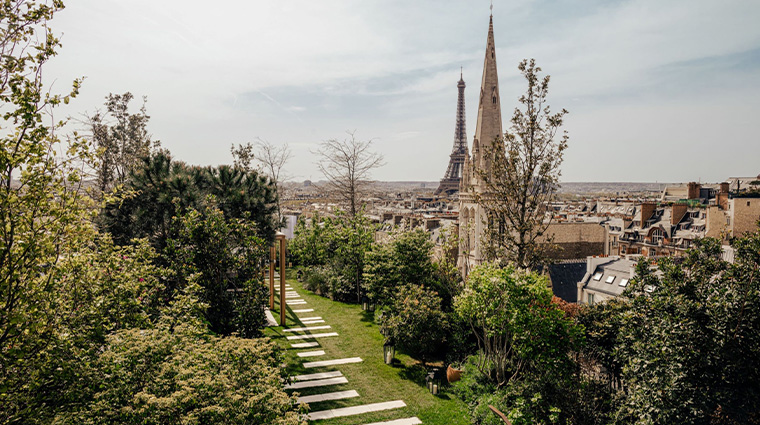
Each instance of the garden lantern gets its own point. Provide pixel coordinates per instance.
(433, 380)
(389, 351)
(367, 304)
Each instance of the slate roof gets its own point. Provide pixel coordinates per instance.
(565, 277)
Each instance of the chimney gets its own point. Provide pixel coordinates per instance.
(724, 187)
(693, 192)
(647, 211)
(677, 212)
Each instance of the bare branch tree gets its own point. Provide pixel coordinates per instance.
(272, 159)
(347, 165)
(523, 177)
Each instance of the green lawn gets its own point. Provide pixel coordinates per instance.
(372, 379)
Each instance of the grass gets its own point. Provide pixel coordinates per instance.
(375, 381)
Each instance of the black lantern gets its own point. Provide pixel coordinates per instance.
(367, 304)
(433, 381)
(389, 351)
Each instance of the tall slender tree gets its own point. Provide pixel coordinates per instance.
(523, 176)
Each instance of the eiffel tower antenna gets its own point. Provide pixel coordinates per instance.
(491, 7)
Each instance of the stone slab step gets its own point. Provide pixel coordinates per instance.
(310, 318)
(290, 338)
(333, 362)
(303, 310)
(311, 353)
(307, 329)
(406, 421)
(304, 345)
(355, 410)
(338, 395)
(312, 322)
(295, 302)
(317, 383)
(322, 375)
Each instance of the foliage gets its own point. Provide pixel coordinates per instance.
(347, 166)
(176, 373)
(405, 258)
(519, 329)
(43, 211)
(688, 352)
(226, 258)
(161, 188)
(121, 138)
(341, 242)
(308, 246)
(414, 322)
(521, 177)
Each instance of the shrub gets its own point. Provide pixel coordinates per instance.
(414, 322)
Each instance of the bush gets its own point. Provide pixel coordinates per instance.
(414, 322)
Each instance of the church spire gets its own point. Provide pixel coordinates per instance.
(488, 126)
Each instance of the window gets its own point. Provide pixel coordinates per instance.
(591, 298)
(623, 282)
(657, 236)
(598, 276)
(610, 279)
(747, 203)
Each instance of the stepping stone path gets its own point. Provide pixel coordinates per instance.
(330, 378)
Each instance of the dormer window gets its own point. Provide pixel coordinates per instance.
(598, 276)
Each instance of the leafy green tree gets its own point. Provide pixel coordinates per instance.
(406, 258)
(518, 327)
(414, 322)
(521, 177)
(307, 246)
(225, 258)
(687, 347)
(43, 212)
(121, 138)
(161, 188)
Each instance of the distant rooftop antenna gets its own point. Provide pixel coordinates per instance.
(491, 7)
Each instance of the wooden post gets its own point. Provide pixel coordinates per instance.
(272, 257)
(283, 306)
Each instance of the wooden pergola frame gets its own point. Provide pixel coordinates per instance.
(282, 242)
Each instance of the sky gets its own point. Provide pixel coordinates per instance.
(665, 91)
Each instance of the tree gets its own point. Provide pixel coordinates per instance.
(406, 258)
(242, 156)
(518, 327)
(273, 159)
(122, 139)
(687, 347)
(43, 211)
(414, 322)
(347, 165)
(523, 177)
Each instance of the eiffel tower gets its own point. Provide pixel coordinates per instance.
(450, 181)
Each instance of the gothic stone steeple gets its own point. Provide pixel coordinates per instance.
(450, 182)
(472, 216)
(488, 128)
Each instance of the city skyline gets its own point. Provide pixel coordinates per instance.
(656, 92)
